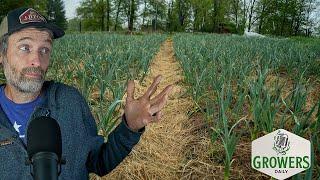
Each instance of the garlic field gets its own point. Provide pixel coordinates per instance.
(241, 88)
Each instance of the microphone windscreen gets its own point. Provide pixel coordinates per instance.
(43, 135)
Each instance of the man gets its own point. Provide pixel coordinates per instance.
(25, 47)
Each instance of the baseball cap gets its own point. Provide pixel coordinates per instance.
(21, 18)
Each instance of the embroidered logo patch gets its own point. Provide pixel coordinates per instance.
(31, 15)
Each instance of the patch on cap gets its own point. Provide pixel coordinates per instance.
(31, 15)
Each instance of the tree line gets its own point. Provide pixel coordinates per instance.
(274, 17)
(52, 9)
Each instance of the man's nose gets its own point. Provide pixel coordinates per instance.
(35, 59)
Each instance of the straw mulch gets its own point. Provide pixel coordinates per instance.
(160, 152)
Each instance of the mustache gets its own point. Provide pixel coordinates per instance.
(36, 70)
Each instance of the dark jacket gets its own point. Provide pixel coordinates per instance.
(83, 149)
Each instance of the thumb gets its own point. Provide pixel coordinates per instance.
(130, 91)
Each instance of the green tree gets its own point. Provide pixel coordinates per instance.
(170, 17)
(180, 15)
(237, 15)
(8, 5)
(87, 15)
(156, 13)
(74, 25)
(276, 17)
(131, 9)
(201, 15)
(39, 5)
(56, 13)
(219, 10)
(119, 8)
(284, 17)
(95, 14)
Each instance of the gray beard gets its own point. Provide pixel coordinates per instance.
(20, 81)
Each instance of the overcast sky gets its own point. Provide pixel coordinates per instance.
(71, 6)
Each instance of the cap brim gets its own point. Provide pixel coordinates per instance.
(56, 30)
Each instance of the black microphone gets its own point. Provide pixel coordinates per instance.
(44, 148)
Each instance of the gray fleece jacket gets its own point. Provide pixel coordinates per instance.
(83, 150)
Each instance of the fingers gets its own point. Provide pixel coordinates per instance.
(130, 91)
(159, 105)
(167, 91)
(153, 87)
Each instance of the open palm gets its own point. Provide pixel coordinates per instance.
(144, 110)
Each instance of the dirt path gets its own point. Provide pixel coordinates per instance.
(159, 153)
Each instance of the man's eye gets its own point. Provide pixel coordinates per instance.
(24, 48)
(45, 51)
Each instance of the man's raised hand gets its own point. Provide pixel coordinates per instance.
(144, 110)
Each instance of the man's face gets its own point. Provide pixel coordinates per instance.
(27, 59)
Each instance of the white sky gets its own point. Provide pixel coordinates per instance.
(70, 7)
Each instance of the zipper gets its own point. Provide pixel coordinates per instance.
(47, 113)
